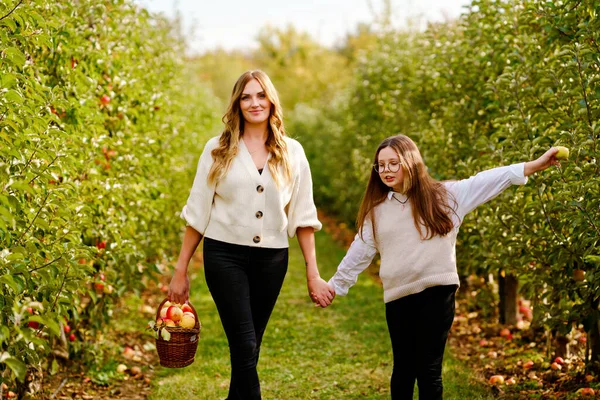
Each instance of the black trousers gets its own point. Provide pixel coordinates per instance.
(419, 325)
(244, 282)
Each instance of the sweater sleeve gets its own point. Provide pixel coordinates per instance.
(301, 211)
(481, 188)
(197, 210)
(357, 259)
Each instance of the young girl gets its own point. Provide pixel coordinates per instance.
(252, 190)
(412, 221)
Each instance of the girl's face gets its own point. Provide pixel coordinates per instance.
(254, 104)
(390, 169)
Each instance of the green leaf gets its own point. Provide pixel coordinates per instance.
(592, 259)
(165, 334)
(15, 56)
(10, 282)
(18, 367)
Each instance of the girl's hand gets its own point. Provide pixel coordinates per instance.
(546, 160)
(320, 292)
(179, 288)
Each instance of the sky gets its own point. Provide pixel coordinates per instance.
(234, 24)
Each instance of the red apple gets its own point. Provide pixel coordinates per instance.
(586, 392)
(101, 245)
(174, 313)
(186, 308)
(497, 380)
(559, 360)
(99, 286)
(105, 99)
(128, 352)
(578, 275)
(556, 366)
(67, 329)
(32, 324)
(168, 322)
(505, 332)
(72, 337)
(528, 364)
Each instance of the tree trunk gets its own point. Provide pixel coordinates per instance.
(561, 345)
(508, 287)
(594, 341)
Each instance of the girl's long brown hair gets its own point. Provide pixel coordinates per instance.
(428, 197)
(233, 119)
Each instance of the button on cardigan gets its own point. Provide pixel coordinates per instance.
(246, 207)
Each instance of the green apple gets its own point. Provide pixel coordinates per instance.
(562, 153)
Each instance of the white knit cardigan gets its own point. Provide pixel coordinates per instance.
(246, 207)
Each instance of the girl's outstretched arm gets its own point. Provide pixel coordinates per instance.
(481, 188)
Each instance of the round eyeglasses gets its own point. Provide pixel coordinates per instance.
(392, 166)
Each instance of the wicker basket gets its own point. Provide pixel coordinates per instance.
(180, 351)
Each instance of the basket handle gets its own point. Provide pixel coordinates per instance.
(160, 307)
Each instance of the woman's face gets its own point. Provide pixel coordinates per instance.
(390, 169)
(254, 104)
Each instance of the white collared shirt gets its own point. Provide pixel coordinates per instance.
(409, 264)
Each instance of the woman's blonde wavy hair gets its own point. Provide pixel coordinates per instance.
(224, 153)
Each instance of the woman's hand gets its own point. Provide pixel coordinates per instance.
(179, 288)
(546, 160)
(321, 293)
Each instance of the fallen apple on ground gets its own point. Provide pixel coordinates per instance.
(497, 380)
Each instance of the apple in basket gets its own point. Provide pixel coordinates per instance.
(175, 316)
(174, 313)
(187, 321)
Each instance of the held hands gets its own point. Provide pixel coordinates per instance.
(546, 160)
(179, 288)
(321, 293)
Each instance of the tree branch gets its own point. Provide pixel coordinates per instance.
(11, 11)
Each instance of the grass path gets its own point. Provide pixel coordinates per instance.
(342, 352)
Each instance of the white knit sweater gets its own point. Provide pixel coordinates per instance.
(246, 207)
(409, 264)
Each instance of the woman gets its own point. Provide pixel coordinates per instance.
(412, 220)
(252, 189)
